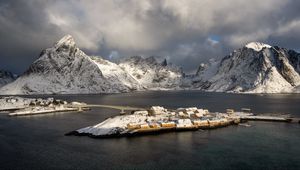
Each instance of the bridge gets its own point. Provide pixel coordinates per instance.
(116, 107)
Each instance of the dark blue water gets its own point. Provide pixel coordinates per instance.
(38, 142)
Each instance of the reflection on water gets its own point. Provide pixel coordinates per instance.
(38, 142)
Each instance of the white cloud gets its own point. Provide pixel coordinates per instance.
(292, 26)
(149, 27)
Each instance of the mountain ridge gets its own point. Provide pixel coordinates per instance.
(263, 69)
(65, 69)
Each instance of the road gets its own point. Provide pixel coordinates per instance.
(122, 108)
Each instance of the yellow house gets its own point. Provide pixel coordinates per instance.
(133, 126)
(144, 126)
(201, 123)
(168, 124)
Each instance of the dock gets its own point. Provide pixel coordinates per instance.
(270, 119)
(267, 118)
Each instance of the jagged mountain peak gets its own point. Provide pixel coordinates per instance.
(139, 59)
(151, 60)
(66, 41)
(257, 46)
(164, 63)
(64, 68)
(266, 70)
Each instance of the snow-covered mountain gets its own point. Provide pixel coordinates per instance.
(64, 68)
(255, 68)
(6, 77)
(151, 73)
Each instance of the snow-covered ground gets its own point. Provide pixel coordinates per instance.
(18, 106)
(41, 110)
(12, 103)
(113, 125)
(141, 120)
(257, 46)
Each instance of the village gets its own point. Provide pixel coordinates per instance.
(182, 119)
(159, 119)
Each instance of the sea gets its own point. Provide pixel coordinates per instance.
(39, 142)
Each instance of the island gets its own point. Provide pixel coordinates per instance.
(159, 119)
(19, 106)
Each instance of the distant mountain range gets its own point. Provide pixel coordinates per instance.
(65, 69)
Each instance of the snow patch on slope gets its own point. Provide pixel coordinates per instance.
(115, 74)
(273, 83)
(112, 125)
(257, 46)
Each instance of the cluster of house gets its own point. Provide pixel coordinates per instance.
(52, 103)
(40, 106)
(181, 118)
(47, 102)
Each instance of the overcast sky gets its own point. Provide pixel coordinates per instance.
(186, 32)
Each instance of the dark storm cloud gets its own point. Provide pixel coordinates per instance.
(24, 32)
(186, 32)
